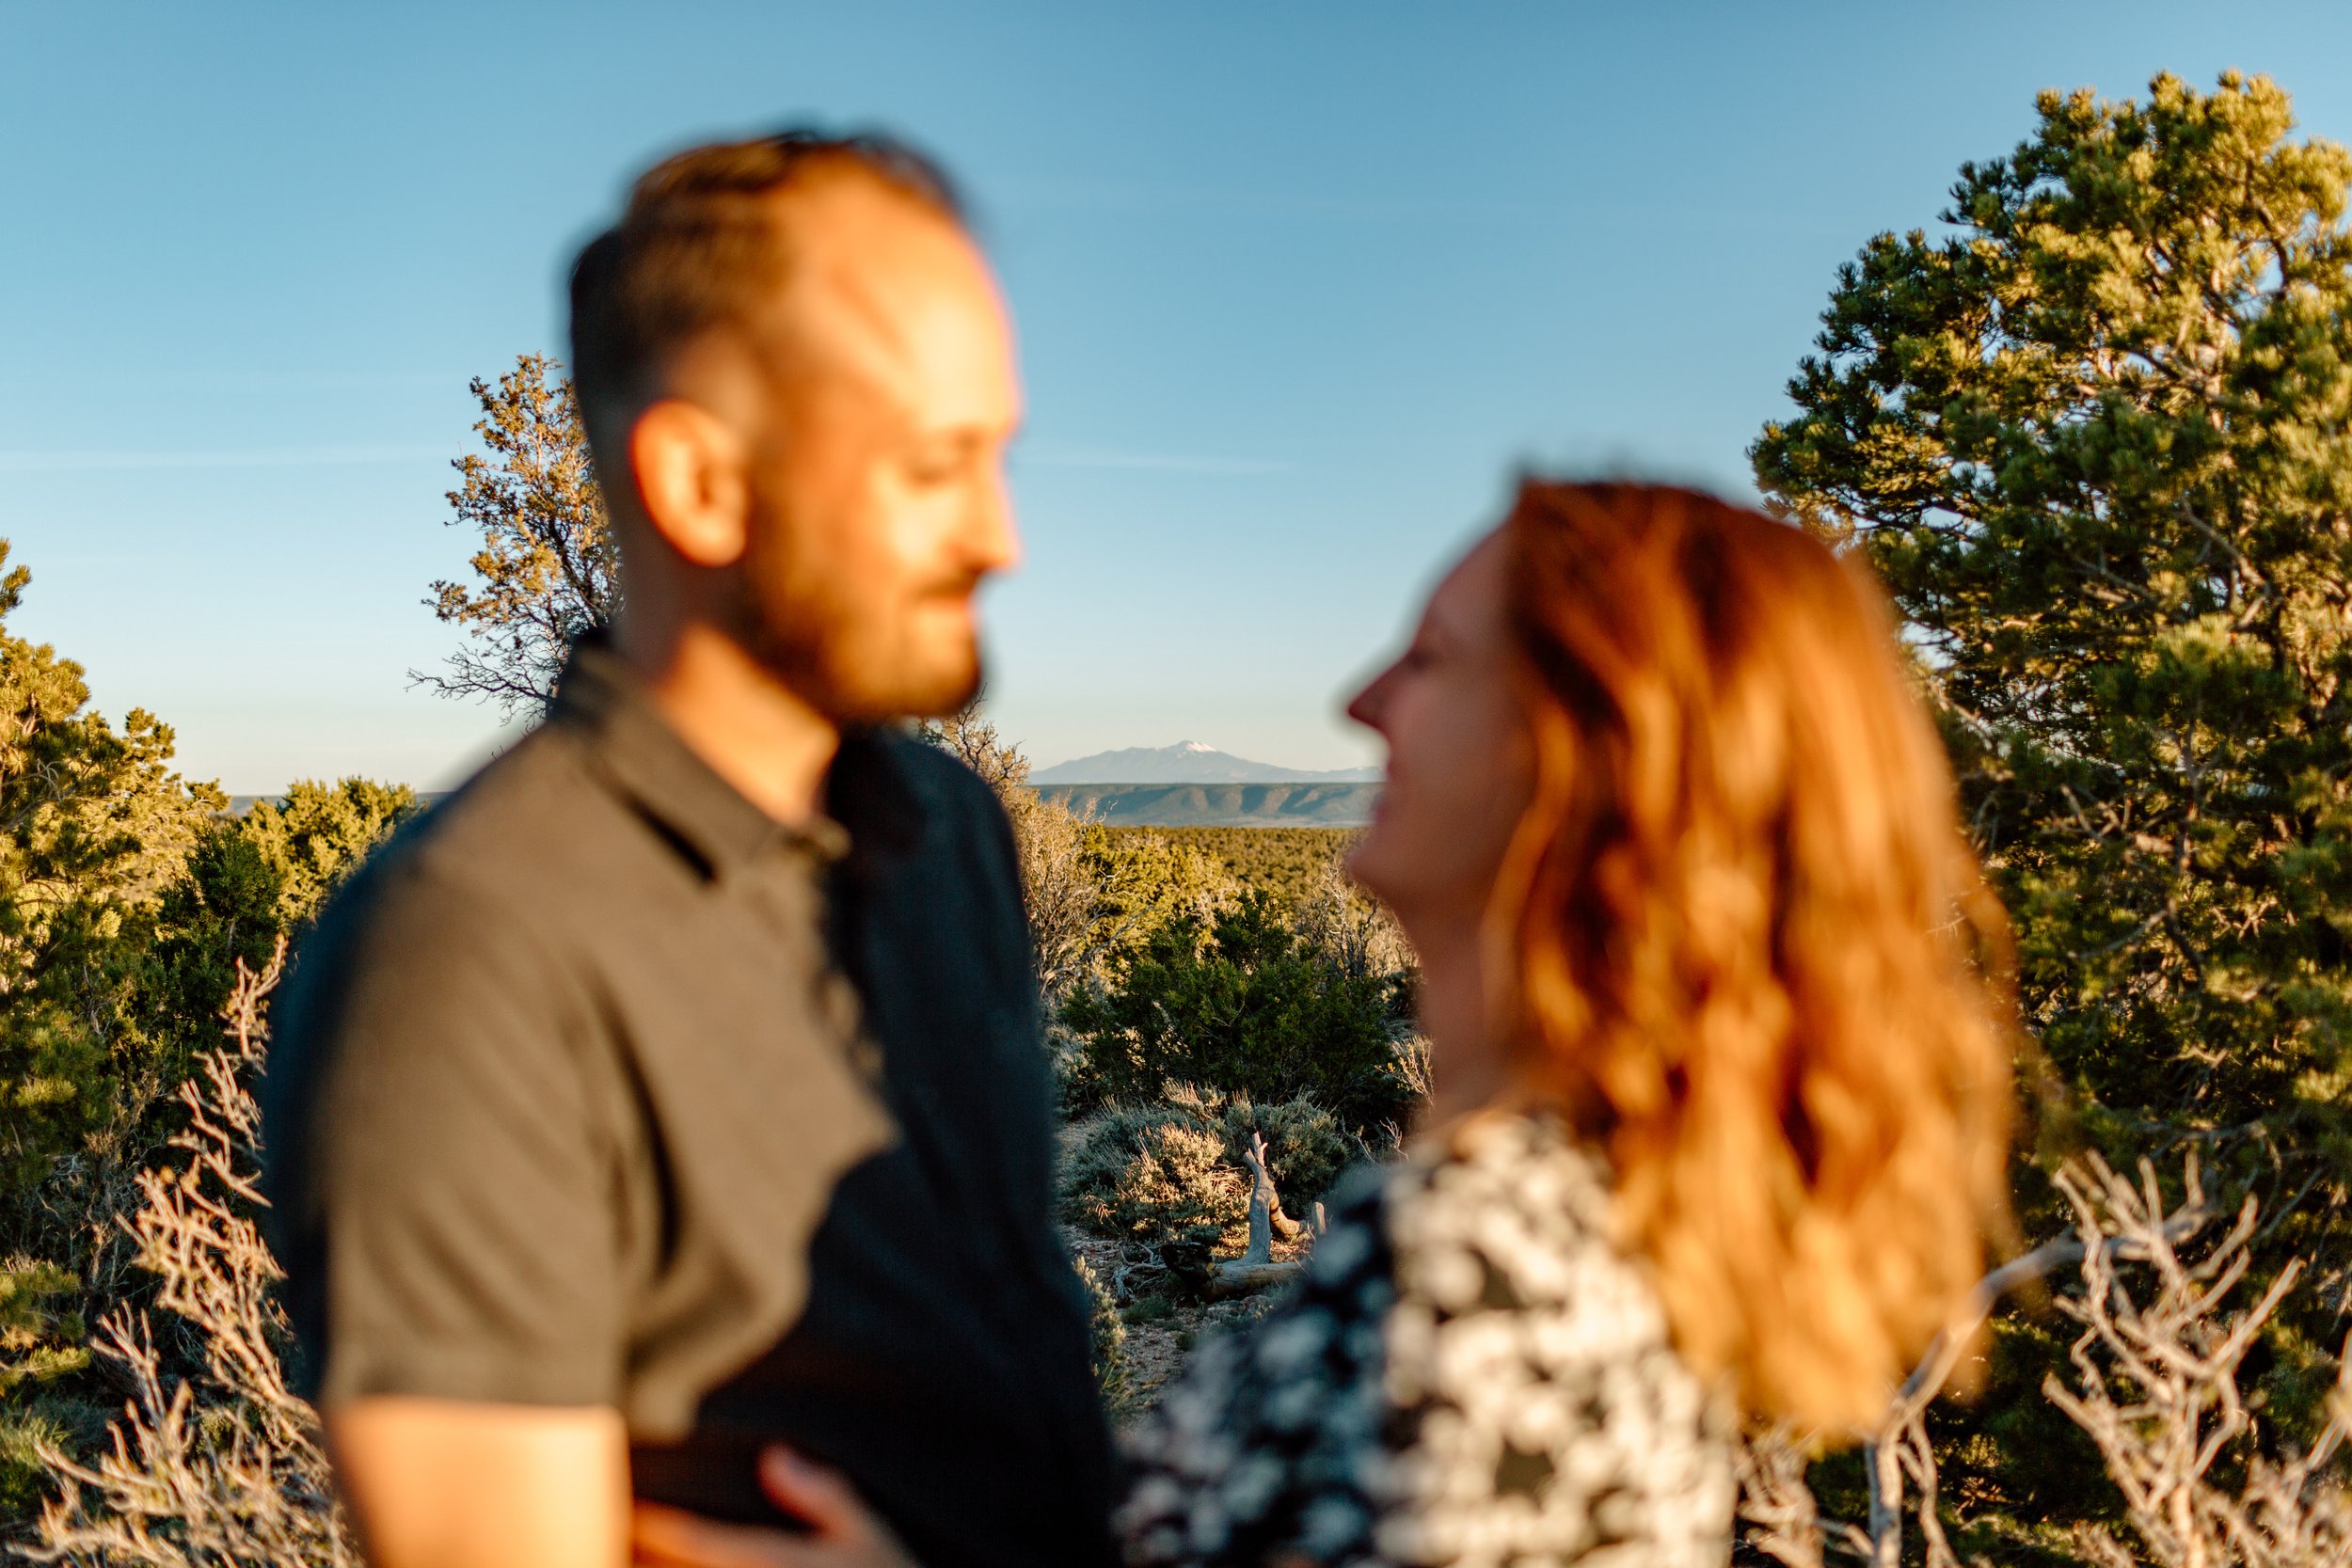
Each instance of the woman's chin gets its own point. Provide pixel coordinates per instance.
(1368, 862)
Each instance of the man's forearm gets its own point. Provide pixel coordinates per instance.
(446, 1483)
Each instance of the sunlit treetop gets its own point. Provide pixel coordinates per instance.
(2096, 436)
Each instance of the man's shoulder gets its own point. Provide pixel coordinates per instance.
(537, 816)
(908, 789)
(494, 867)
(934, 773)
(436, 949)
(925, 825)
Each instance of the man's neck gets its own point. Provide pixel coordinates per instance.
(753, 730)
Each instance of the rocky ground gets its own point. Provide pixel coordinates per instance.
(1161, 1330)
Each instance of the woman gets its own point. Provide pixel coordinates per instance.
(1721, 1074)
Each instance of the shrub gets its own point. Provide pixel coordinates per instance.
(1107, 1336)
(1174, 1172)
(1149, 1309)
(1151, 1174)
(1289, 864)
(2092, 435)
(212, 1459)
(1242, 1003)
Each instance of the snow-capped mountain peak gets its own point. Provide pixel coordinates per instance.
(1186, 762)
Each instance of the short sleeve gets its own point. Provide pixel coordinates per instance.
(442, 1184)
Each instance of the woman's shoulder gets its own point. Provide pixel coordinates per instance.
(1508, 1210)
(1468, 1351)
(1531, 1362)
(1499, 1179)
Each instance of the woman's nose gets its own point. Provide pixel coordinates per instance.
(1366, 706)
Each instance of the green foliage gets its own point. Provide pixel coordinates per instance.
(127, 896)
(2095, 439)
(227, 907)
(2027, 1474)
(2097, 444)
(24, 1478)
(1240, 1004)
(37, 1310)
(93, 825)
(1143, 879)
(1153, 1308)
(43, 1354)
(1287, 864)
(1152, 1174)
(319, 833)
(252, 879)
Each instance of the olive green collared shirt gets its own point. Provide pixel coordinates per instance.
(595, 1087)
(565, 1081)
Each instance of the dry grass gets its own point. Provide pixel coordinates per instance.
(222, 1466)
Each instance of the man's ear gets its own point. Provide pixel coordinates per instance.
(693, 479)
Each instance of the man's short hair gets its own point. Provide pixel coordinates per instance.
(699, 246)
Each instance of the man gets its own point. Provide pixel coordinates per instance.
(675, 1088)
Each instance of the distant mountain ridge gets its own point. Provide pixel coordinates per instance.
(1188, 762)
(1278, 804)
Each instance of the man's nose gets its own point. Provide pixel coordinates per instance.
(993, 540)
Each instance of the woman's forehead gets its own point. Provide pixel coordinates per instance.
(1469, 597)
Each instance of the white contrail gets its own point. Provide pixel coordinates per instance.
(1044, 454)
(279, 457)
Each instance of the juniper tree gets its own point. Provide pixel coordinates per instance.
(314, 837)
(93, 825)
(1237, 1000)
(2096, 436)
(2095, 439)
(127, 895)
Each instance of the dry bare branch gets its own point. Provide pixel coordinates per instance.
(1775, 1497)
(2157, 1390)
(1256, 1269)
(2176, 1358)
(1357, 934)
(224, 1467)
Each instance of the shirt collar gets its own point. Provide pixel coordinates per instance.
(601, 698)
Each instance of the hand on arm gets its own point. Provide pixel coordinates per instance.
(843, 1532)
(446, 1483)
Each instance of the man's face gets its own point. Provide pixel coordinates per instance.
(879, 492)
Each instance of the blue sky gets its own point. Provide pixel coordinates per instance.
(1298, 285)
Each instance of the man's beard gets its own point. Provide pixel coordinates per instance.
(834, 676)
(795, 621)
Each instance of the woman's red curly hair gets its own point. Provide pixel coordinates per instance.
(1755, 959)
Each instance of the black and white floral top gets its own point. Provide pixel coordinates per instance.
(1470, 1374)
